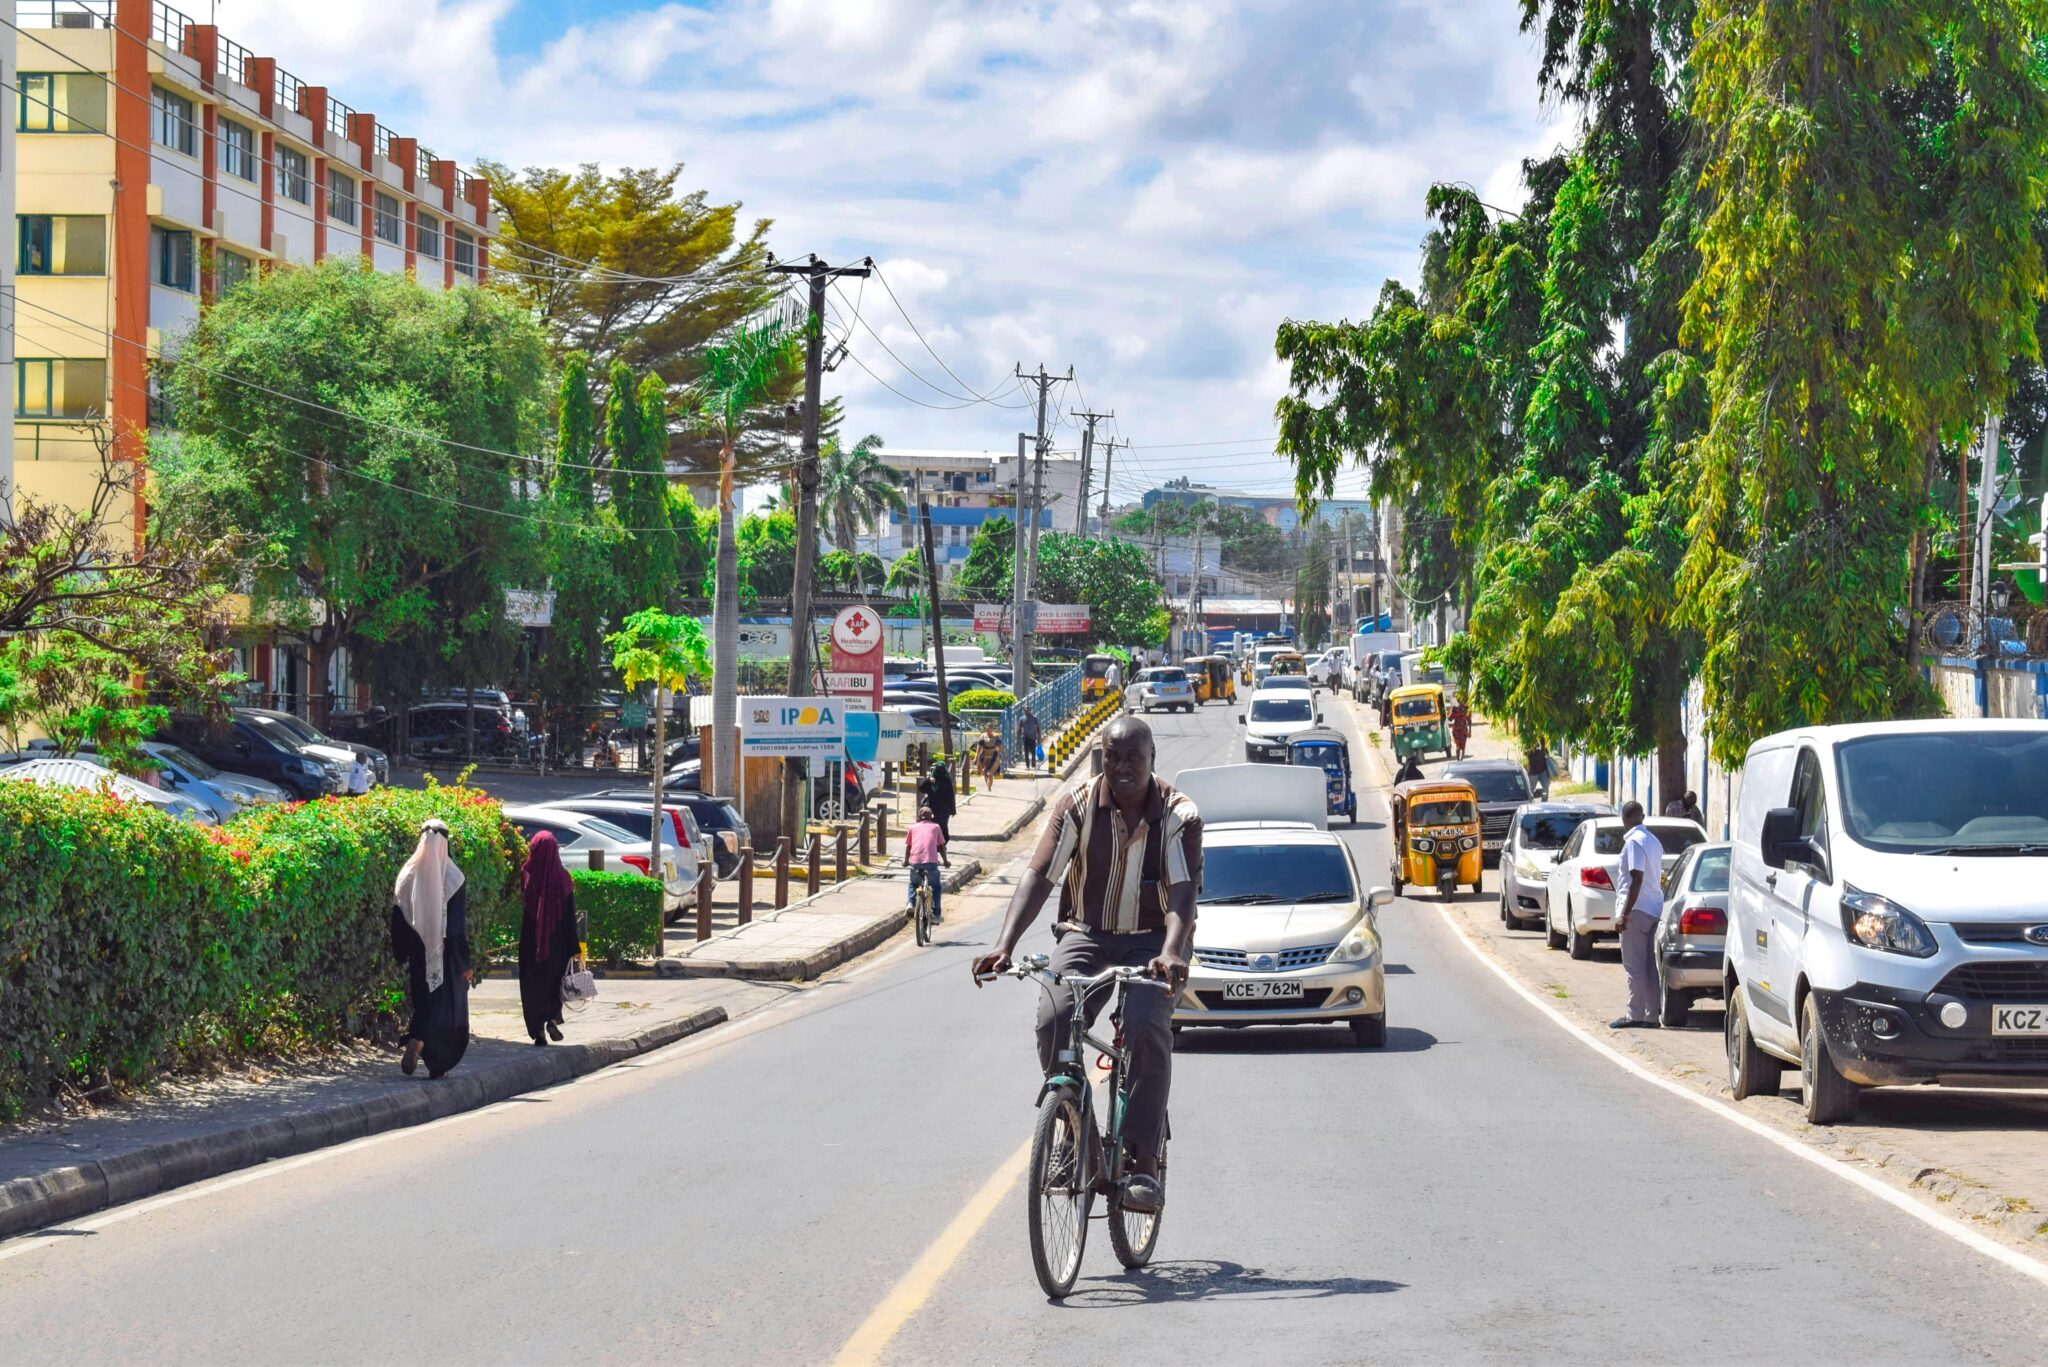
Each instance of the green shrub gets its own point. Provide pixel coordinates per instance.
(621, 913)
(130, 941)
(983, 700)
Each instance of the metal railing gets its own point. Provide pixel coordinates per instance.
(425, 170)
(1052, 702)
(64, 13)
(381, 141)
(234, 61)
(168, 26)
(338, 115)
(290, 91)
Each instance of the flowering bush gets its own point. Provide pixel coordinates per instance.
(129, 940)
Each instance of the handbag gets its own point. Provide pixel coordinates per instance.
(579, 985)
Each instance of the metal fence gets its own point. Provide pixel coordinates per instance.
(1052, 702)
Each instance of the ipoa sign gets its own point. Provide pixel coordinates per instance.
(792, 728)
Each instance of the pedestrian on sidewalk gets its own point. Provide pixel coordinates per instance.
(935, 791)
(1690, 809)
(924, 849)
(989, 756)
(1642, 905)
(1115, 677)
(358, 777)
(430, 939)
(547, 936)
(1461, 726)
(1538, 760)
(1029, 744)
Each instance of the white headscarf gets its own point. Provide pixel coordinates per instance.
(425, 884)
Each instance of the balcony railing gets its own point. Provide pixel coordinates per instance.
(382, 138)
(234, 61)
(338, 115)
(425, 169)
(168, 26)
(289, 88)
(64, 13)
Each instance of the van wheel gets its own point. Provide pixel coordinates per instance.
(1581, 941)
(1751, 1072)
(1830, 1098)
(1552, 936)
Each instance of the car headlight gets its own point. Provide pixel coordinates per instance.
(1357, 949)
(1880, 923)
(1422, 844)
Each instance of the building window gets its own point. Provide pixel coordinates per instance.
(171, 121)
(465, 253)
(172, 250)
(341, 197)
(60, 389)
(237, 150)
(390, 224)
(230, 269)
(427, 234)
(291, 176)
(62, 102)
(61, 244)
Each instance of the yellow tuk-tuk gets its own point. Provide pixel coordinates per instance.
(1416, 716)
(1221, 680)
(1197, 670)
(1095, 676)
(1436, 835)
(1289, 663)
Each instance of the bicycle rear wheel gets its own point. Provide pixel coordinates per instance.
(1058, 1200)
(924, 914)
(1131, 1234)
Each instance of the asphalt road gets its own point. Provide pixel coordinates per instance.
(1485, 1188)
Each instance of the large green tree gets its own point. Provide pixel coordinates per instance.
(583, 545)
(352, 422)
(1114, 578)
(855, 489)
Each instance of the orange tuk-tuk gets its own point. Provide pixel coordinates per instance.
(1436, 835)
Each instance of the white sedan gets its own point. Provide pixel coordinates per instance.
(1583, 889)
(1286, 935)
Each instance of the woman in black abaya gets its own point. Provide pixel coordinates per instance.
(430, 937)
(547, 936)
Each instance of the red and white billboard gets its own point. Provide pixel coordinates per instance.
(1055, 618)
(856, 666)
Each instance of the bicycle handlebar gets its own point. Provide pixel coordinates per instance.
(1039, 966)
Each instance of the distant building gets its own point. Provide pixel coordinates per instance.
(1276, 510)
(964, 489)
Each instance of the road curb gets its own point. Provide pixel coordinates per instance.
(1009, 832)
(66, 1193)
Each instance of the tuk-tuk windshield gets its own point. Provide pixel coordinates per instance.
(1415, 707)
(1442, 811)
(1327, 757)
(1096, 667)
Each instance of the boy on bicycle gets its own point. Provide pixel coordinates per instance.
(924, 849)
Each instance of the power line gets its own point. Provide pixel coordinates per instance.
(993, 390)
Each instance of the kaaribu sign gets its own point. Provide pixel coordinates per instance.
(793, 728)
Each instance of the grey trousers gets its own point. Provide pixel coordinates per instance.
(1148, 1024)
(1639, 962)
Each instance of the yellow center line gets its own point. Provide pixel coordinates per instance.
(909, 1295)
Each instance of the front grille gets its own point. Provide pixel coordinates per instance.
(1495, 825)
(2013, 981)
(1215, 1001)
(2019, 1050)
(1238, 961)
(1989, 932)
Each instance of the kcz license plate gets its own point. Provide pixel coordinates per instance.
(1262, 992)
(1490, 845)
(2019, 1020)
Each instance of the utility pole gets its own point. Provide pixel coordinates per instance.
(1108, 457)
(1020, 645)
(931, 580)
(1026, 610)
(1195, 594)
(1087, 467)
(1987, 493)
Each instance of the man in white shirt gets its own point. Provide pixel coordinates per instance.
(1642, 903)
(358, 777)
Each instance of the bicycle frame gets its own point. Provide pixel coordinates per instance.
(1070, 1068)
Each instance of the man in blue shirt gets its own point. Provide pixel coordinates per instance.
(1642, 903)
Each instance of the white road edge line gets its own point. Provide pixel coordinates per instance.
(2011, 1257)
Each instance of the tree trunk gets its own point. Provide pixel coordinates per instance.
(1669, 722)
(1916, 557)
(725, 639)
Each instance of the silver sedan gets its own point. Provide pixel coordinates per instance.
(1692, 935)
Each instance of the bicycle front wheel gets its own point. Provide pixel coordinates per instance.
(1132, 1235)
(924, 915)
(1059, 1200)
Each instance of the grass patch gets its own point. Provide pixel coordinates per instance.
(1557, 990)
(1574, 789)
(2018, 1205)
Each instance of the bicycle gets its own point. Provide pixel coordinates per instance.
(1061, 1188)
(921, 912)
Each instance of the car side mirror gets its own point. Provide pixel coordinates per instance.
(1780, 842)
(1240, 719)
(1378, 898)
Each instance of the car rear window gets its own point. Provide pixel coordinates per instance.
(638, 824)
(1710, 871)
(1250, 875)
(1549, 830)
(1675, 839)
(1497, 785)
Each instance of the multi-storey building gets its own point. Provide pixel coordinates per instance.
(157, 162)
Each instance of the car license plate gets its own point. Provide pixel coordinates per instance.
(1491, 845)
(1262, 992)
(2019, 1020)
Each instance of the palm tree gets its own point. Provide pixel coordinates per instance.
(854, 489)
(737, 383)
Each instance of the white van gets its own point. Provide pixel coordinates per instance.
(1887, 923)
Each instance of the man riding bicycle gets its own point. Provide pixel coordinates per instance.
(1125, 851)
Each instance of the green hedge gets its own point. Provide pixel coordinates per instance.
(621, 913)
(983, 700)
(130, 942)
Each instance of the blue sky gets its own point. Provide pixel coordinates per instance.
(1141, 190)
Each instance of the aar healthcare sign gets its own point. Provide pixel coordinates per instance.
(792, 728)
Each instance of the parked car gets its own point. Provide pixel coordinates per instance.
(1884, 906)
(375, 760)
(1271, 718)
(1328, 669)
(74, 771)
(1692, 934)
(260, 749)
(579, 833)
(439, 730)
(1583, 893)
(637, 818)
(1502, 786)
(1286, 935)
(1537, 834)
(221, 793)
(1165, 687)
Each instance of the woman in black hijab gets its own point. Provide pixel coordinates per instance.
(935, 791)
(430, 938)
(547, 936)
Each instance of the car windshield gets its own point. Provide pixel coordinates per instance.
(1957, 791)
(1280, 709)
(275, 732)
(1440, 811)
(1497, 785)
(1415, 707)
(1317, 757)
(1710, 871)
(1249, 875)
(305, 734)
(190, 763)
(1549, 830)
(1675, 838)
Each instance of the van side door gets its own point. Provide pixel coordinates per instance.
(1766, 783)
(1791, 889)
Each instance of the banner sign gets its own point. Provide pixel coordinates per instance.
(855, 669)
(991, 616)
(1062, 617)
(860, 685)
(893, 741)
(792, 728)
(863, 734)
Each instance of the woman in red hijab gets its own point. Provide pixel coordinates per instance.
(547, 936)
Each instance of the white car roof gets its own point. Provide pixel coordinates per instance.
(1257, 795)
(1848, 731)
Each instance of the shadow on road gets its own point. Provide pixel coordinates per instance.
(1202, 1279)
(1295, 1039)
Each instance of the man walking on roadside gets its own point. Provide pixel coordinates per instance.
(1028, 747)
(1642, 904)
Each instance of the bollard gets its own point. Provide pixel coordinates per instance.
(839, 855)
(882, 834)
(812, 855)
(865, 849)
(1095, 759)
(781, 872)
(746, 884)
(889, 775)
(704, 906)
(597, 860)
